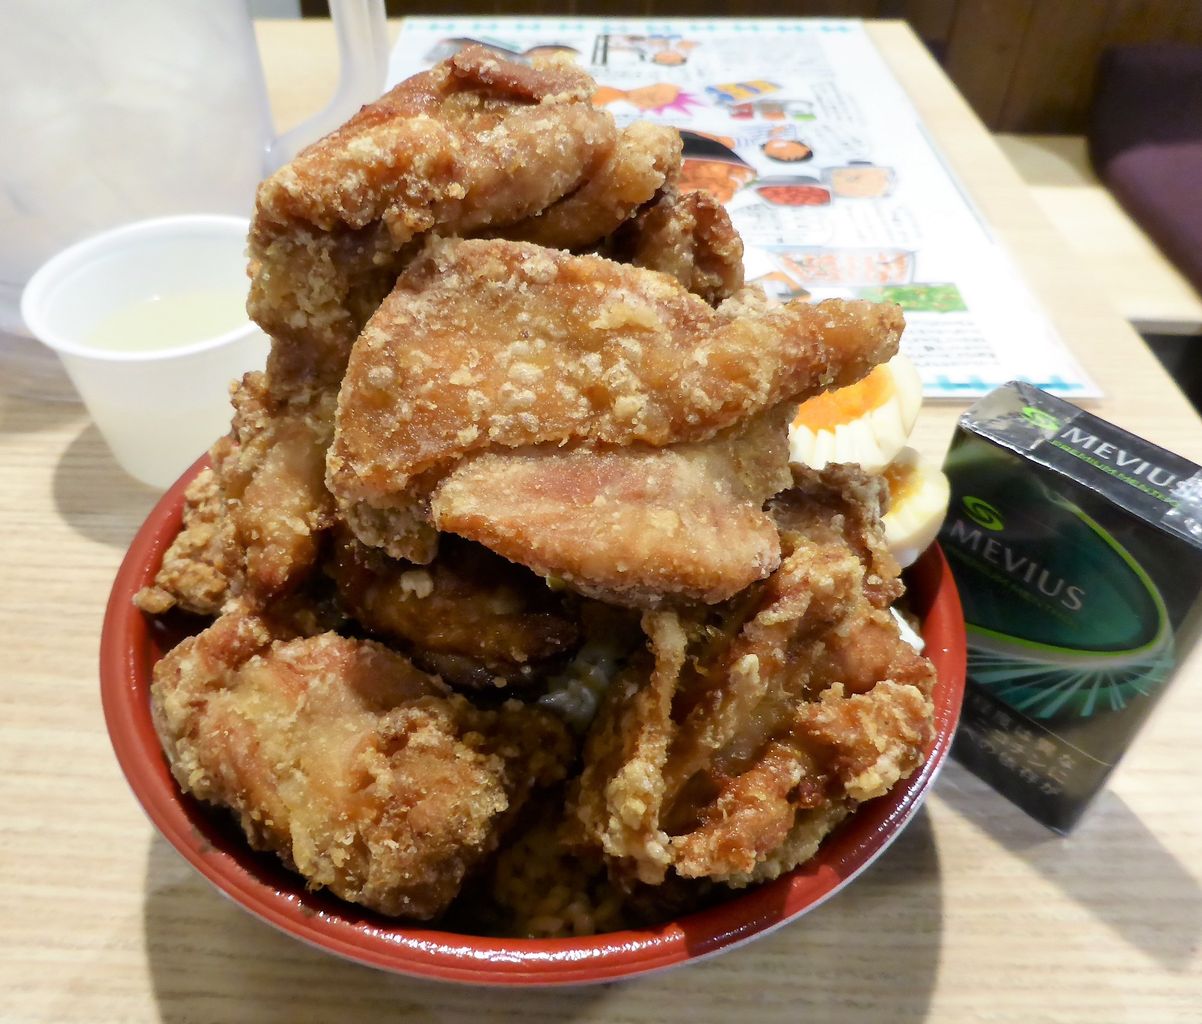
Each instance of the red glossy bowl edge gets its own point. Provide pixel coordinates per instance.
(125, 659)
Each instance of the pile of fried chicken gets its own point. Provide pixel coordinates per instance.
(519, 405)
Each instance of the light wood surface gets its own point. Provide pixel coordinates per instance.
(976, 913)
(1145, 287)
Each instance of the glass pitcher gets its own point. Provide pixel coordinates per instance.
(129, 109)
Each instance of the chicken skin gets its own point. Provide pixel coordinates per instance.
(495, 345)
(744, 733)
(469, 616)
(688, 236)
(202, 568)
(363, 773)
(631, 525)
(474, 143)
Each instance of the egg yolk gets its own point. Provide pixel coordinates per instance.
(833, 408)
(902, 480)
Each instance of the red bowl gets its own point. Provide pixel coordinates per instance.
(212, 843)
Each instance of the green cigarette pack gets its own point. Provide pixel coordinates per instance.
(1077, 551)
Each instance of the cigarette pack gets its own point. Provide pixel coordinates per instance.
(1077, 551)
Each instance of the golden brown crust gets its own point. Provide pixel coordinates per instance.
(550, 79)
(645, 159)
(856, 499)
(273, 479)
(616, 803)
(202, 568)
(632, 525)
(543, 889)
(358, 769)
(469, 616)
(488, 345)
(789, 705)
(474, 142)
(688, 236)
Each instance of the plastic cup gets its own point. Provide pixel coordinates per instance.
(159, 409)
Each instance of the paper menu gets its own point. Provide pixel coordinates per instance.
(825, 168)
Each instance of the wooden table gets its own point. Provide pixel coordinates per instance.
(976, 913)
(1143, 285)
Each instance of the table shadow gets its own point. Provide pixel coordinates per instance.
(210, 960)
(1161, 912)
(20, 414)
(840, 962)
(95, 496)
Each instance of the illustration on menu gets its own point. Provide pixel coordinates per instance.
(799, 128)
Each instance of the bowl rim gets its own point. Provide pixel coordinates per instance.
(432, 954)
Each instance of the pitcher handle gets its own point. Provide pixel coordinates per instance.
(363, 61)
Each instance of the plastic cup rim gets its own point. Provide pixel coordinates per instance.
(36, 290)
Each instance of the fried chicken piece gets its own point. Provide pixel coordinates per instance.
(360, 771)
(469, 616)
(630, 525)
(645, 159)
(835, 551)
(313, 291)
(488, 345)
(749, 300)
(840, 700)
(476, 142)
(779, 712)
(810, 827)
(252, 523)
(541, 887)
(617, 801)
(538, 888)
(273, 479)
(201, 569)
(689, 236)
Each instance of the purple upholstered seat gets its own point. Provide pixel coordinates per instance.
(1145, 140)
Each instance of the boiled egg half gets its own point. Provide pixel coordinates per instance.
(867, 422)
(918, 496)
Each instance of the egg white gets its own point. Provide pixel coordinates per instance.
(871, 440)
(913, 520)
